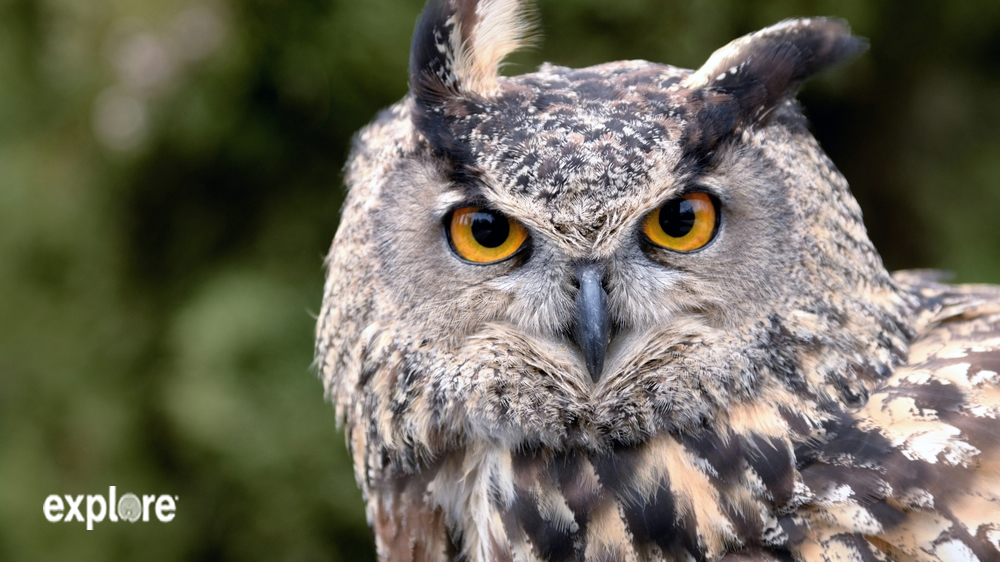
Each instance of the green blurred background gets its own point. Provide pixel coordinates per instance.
(170, 179)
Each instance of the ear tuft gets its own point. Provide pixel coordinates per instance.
(744, 81)
(458, 46)
(760, 70)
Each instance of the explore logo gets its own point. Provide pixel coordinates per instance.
(128, 508)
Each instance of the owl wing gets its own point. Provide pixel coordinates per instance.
(916, 472)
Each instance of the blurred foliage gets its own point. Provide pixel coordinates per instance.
(170, 181)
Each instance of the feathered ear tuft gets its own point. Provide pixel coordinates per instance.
(742, 82)
(458, 46)
(770, 64)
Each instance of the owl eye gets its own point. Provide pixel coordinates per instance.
(683, 224)
(483, 236)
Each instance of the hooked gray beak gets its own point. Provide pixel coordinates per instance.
(593, 330)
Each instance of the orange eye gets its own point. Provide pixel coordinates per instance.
(483, 236)
(684, 224)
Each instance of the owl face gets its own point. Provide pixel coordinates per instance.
(591, 166)
(582, 258)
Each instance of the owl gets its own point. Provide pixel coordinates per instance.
(631, 313)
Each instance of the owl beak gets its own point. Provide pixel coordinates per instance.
(593, 330)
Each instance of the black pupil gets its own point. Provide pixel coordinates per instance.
(490, 229)
(677, 218)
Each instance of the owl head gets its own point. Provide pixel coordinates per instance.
(580, 258)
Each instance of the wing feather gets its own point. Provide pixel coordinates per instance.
(940, 412)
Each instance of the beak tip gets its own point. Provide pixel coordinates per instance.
(596, 368)
(592, 329)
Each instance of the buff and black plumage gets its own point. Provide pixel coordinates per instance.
(630, 312)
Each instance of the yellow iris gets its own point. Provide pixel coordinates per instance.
(684, 224)
(483, 236)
